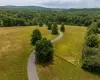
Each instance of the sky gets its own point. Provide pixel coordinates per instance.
(54, 3)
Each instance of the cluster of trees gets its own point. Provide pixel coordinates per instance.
(54, 27)
(43, 47)
(25, 17)
(91, 51)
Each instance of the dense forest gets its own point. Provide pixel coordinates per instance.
(28, 17)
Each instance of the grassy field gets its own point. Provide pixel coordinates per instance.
(15, 49)
(66, 64)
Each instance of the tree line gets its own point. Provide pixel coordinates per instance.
(91, 51)
(25, 17)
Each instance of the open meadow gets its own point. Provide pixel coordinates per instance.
(15, 49)
(68, 52)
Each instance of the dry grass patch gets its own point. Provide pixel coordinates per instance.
(15, 49)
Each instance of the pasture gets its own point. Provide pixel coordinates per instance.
(66, 64)
(15, 49)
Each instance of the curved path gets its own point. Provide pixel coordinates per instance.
(31, 68)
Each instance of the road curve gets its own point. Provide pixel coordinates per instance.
(31, 68)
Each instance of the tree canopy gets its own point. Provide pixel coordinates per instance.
(44, 50)
(29, 17)
(36, 35)
(54, 28)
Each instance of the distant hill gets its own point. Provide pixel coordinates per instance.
(29, 7)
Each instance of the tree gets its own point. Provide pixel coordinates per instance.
(92, 41)
(49, 25)
(93, 29)
(91, 59)
(36, 35)
(98, 24)
(62, 27)
(90, 53)
(40, 23)
(1, 23)
(44, 50)
(34, 21)
(54, 28)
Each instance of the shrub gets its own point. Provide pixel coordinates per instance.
(44, 50)
(91, 59)
(36, 35)
(92, 64)
(54, 28)
(88, 51)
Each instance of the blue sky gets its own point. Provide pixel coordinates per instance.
(54, 3)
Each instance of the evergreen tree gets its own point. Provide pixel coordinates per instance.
(54, 28)
(41, 24)
(62, 27)
(34, 21)
(36, 35)
(44, 50)
(49, 25)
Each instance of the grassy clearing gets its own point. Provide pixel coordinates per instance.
(70, 46)
(15, 49)
(66, 62)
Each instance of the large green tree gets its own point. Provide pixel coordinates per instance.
(44, 50)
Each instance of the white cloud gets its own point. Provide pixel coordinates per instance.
(54, 3)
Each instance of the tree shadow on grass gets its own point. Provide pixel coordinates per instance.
(45, 64)
(48, 63)
(94, 71)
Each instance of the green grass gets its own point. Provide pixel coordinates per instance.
(70, 46)
(15, 49)
(66, 64)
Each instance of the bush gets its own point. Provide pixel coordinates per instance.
(62, 27)
(36, 35)
(88, 51)
(54, 28)
(92, 41)
(91, 59)
(44, 50)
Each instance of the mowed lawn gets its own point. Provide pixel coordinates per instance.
(15, 49)
(66, 64)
